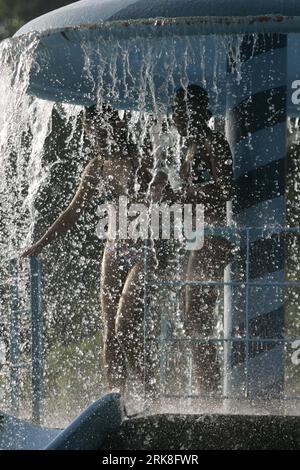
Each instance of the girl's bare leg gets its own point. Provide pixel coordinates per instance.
(112, 279)
(129, 323)
(130, 331)
(206, 264)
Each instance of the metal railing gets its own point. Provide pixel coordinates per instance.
(245, 236)
(35, 314)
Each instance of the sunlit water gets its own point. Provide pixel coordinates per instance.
(43, 151)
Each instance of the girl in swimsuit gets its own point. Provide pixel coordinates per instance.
(112, 173)
(207, 179)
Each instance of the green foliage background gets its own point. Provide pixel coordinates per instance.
(14, 13)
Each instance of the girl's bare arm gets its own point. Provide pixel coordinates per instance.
(87, 188)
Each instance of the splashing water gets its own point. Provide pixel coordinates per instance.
(44, 149)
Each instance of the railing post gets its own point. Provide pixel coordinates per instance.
(14, 351)
(37, 340)
(146, 322)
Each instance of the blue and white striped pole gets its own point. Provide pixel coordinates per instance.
(256, 131)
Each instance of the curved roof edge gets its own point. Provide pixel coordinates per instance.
(91, 12)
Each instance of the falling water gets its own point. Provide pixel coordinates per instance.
(44, 149)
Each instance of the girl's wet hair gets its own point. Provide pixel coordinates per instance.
(102, 121)
(194, 95)
(97, 114)
(196, 100)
